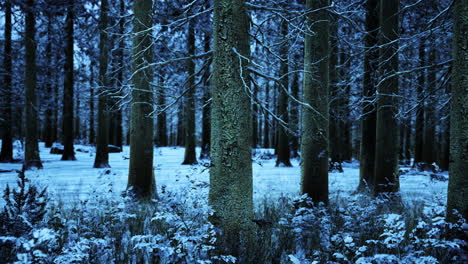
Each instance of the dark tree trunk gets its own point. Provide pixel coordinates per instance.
(254, 116)
(102, 140)
(67, 116)
(294, 117)
(180, 133)
(314, 142)
(48, 140)
(190, 156)
(428, 149)
(141, 180)
(266, 120)
(92, 135)
(31, 153)
(387, 132)
(368, 120)
(335, 139)
(206, 110)
(7, 123)
(419, 125)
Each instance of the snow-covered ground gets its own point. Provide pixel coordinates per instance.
(77, 179)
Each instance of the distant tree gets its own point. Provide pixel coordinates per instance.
(294, 116)
(31, 153)
(50, 104)
(206, 100)
(231, 188)
(190, 156)
(428, 146)
(6, 123)
(387, 132)
(368, 123)
(67, 116)
(419, 123)
(102, 139)
(314, 142)
(458, 176)
(92, 131)
(140, 177)
(266, 119)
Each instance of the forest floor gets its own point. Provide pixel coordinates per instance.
(67, 180)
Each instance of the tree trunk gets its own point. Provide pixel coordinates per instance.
(266, 120)
(190, 156)
(284, 153)
(254, 116)
(387, 132)
(67, 116)
(206, 112)
(314, 144)
(102, 140)
(428, 151)
(231, 187)
(31, 153)
(92, 135)
(294, 116)
(140, 177)
(7, 137)
(368, 120)
(458, 176)
(335, 146)
(419, 125)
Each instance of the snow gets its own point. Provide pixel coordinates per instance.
(77, 179)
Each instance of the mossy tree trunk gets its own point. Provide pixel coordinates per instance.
(314, 143)
(458, 168)
(284, 152)
(190, 156)
(31, 152)
(102, 140)
(231, 187)
(140, 177)
(67, 116)
(387, 132)
(6, 155)
(368, 120)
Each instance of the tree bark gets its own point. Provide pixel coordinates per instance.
(190, 156)
(458, 176)
(266, 121)
(31, 153)
(6, 155)
(314, 144)
(231, 183)
(419, 124)
(102, 140)
(67, 116)
(140, 177)
(387, 132)
(428, 147)
(92, 131)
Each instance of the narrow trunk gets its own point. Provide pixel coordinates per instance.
(314, 143)
(335, 146)
(31, 152)
(387, 138)
(7, 123)
(428, 151)
(141, 180)
(102, 140)
(419, 125)
(49, 100)
(254, 117)
(67, 116)
(368, 120)
(206, 112)
(190, 156)
(266, 120)
(92, 135)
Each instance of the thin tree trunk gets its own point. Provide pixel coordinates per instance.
(140, 177)
(387, 133)
(231, 187)
(92, 135)
(266, 124)
(419, 125)
(206, 112)
(428, 147)
(67, 117)
(335, 146)
(190, 156)
(48, 140)
(7, 123)
(31, 153)
(294, 116)
(314, 143)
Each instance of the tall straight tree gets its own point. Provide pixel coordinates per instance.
(231, 187)
(140, 176)
(419, 124)
(92, 135)
(50, 104)
(190, 156)
(31, 153)
(387, 132)
(102, 139)
(67, 116)
(7, 138)
(368, 120)
(206, 112)
(458, 176)
(428, 146)
(284, 153)
(314, 143)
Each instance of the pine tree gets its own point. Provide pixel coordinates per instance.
(314, 143)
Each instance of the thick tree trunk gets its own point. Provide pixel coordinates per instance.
(67, 116)
(140, 177)
(7, 123)
(231, 187)
(31, 153)
(419, 125)
(387, 132)
(190, 156)
(368, 120)
(284, 153)
(102, 140)
(458, 176)
(314, 144)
